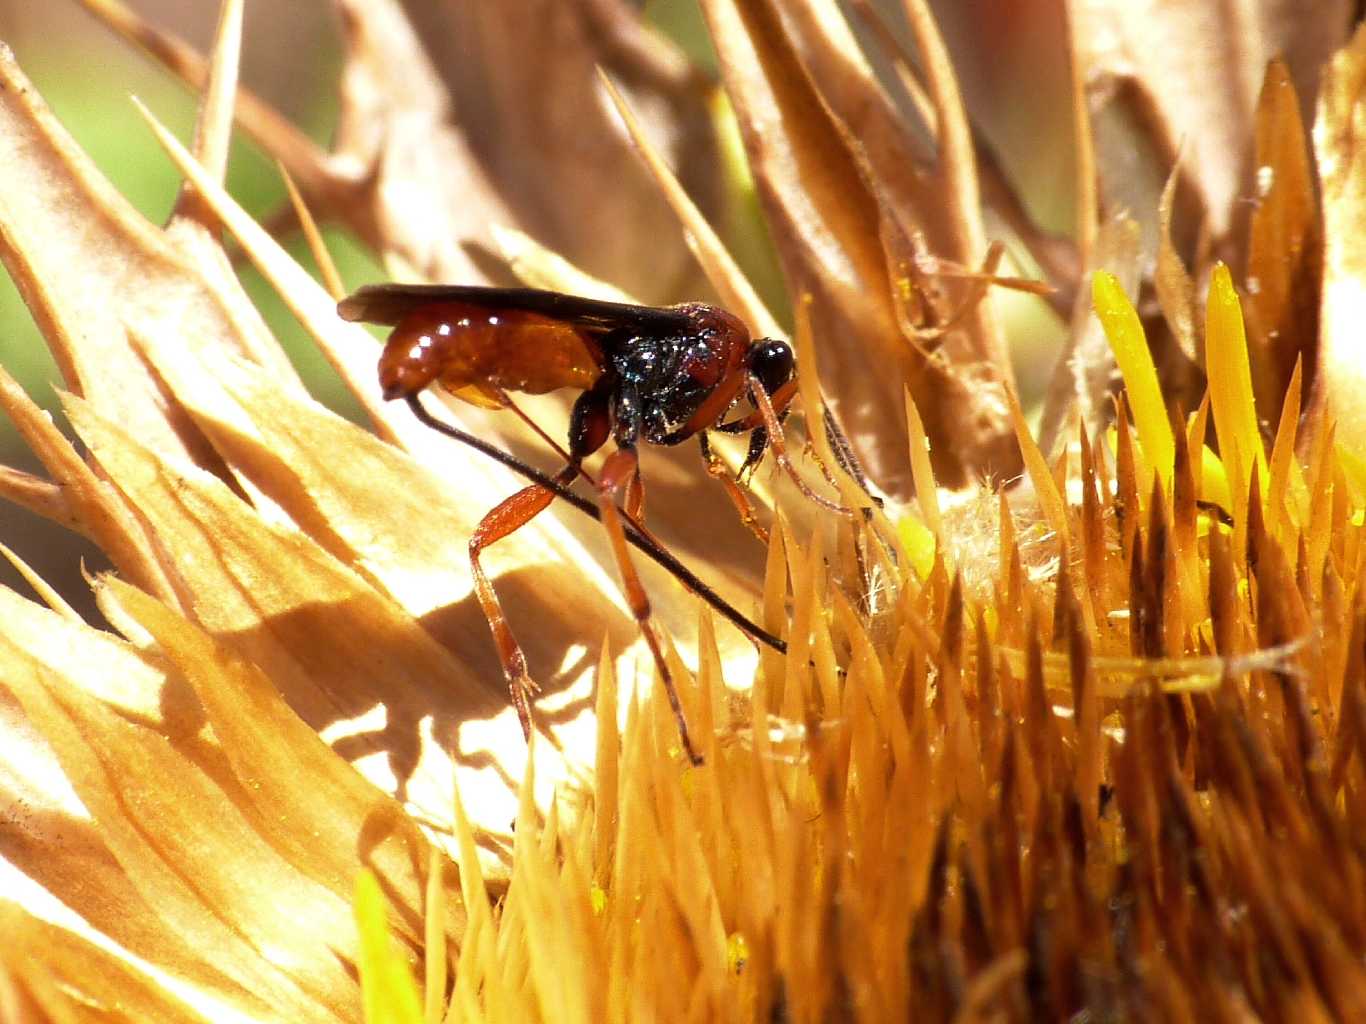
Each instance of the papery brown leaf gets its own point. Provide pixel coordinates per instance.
(174, 827)
(335, 647)
(83, 501)
(523, 87)
(422, 192)
(283, 766)
(108, 668)
(1056, 254)
(48, 835)
(836, 68)
(1284, 257)
(68, 978)
(935, 203)
(1163, 75)
(274, 766)
(1340, 146)
(92, 269)
(826, 227)
(68, 857)
(839, 243)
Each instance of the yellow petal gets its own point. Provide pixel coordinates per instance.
(386, 981)
(1125, 332)
(1230, 387)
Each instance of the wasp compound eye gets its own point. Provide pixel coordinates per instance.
(772, 362)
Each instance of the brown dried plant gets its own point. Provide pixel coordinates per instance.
(1068, 725)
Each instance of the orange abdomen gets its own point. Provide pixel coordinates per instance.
(464, 346)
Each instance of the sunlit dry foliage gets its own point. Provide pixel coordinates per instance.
(1067, 725)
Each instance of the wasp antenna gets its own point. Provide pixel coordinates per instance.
(844, 453)
(775, 441)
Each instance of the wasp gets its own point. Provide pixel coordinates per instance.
(644, 375)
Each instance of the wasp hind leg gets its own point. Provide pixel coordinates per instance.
(504, 520)
(589, 425)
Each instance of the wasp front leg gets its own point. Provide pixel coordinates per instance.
(743, 506)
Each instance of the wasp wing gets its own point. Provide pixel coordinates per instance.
(389, 303)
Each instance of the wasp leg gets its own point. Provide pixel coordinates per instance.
(640, 538)
(589, 424)
(617, 472)
(743, 507)
(758, 445)
(508, 517)
(634, 505)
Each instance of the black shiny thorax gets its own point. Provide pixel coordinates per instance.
(662, 380)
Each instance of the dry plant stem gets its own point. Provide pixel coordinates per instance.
(1055, 254)
(41, 497)
(978, 284)
(213, 125)
(331, 277)
(957, 168)
(1087, 207)
(86, 500)
(41, 587)
(737, 294)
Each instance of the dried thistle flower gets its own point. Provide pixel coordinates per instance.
(1092, 744)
